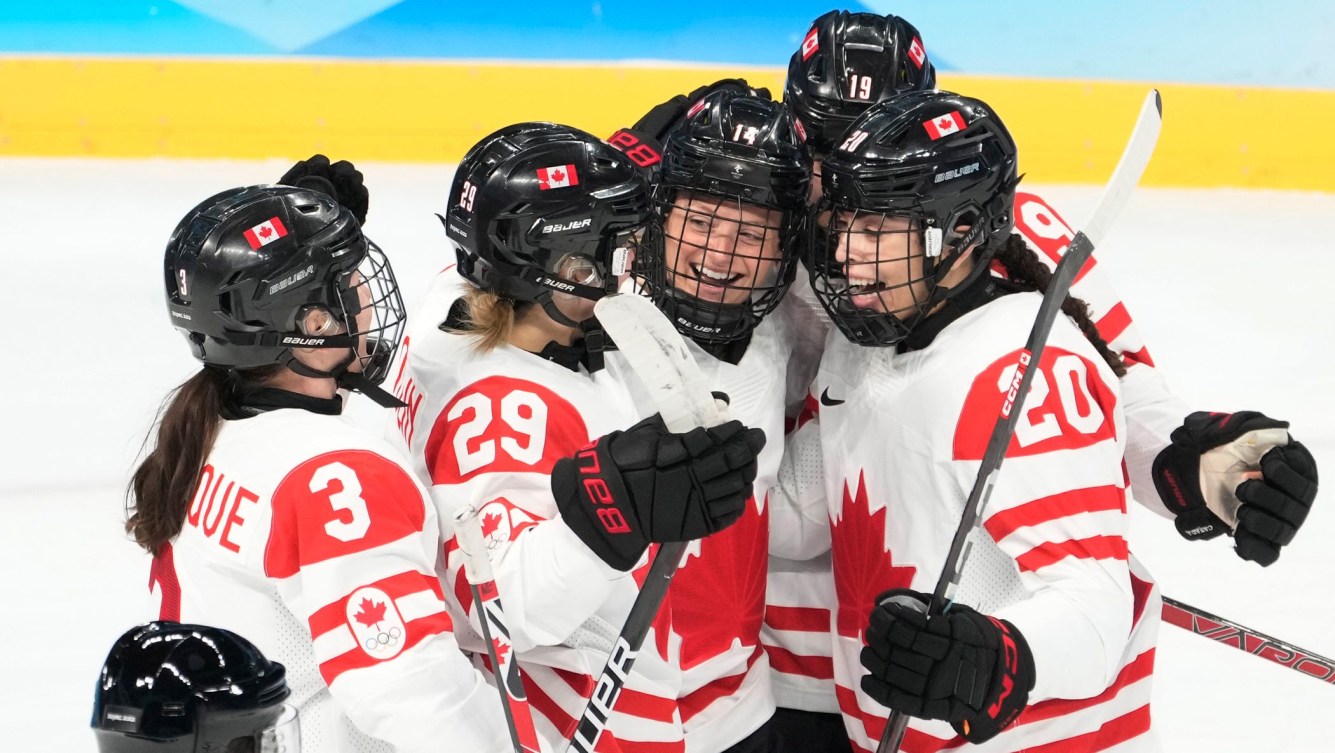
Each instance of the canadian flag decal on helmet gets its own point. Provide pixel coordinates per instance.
(265, 233)
(944, 125)
(557, 177)
(916, 53)
(810, 44)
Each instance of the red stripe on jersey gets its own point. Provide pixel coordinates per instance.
(915, 741)
(1141, 356)
(415, 631)
(1113, 323)
(700, 699)
(1113, 732)
(565, 724)
(334, 615)
(502, 425)
(337, 504)
(163, 573)
(799, 619)
(631, 702)
(789, 663)
(1139, 668)
(1140, 596)
(1092, 548)
(1065, 504)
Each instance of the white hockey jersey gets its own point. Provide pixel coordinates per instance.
(486, 429)
(800, 590)
(314, 541)
(901, 451)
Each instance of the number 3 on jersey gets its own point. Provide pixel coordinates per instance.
(501, 424)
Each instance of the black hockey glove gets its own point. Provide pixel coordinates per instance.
(646, 484)
(962, 667)
(659, 122)
(341, 180)
(1206, 477)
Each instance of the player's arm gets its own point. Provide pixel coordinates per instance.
(1183, 466)
(352, 546)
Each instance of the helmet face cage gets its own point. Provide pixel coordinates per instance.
(872, 272)
(715, 264)
(848, 62)
(372, 313)
(730, 202)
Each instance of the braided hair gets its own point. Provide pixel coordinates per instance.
(1024, 268)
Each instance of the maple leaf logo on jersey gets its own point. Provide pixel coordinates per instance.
(371, 613)
(862, 566)
(490, 523)
(720, 594)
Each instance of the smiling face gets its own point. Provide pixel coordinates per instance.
(721, 250)
(883, 259)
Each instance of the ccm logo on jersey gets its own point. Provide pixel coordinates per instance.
(599, 495)
(563, 227)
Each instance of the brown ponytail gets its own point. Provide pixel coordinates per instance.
(1024, 267)
(163, 485)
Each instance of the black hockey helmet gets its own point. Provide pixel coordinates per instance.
(734, 162)
(942, 162)
(173, 688)
(539, 208)
(848, 62)
(246, 268)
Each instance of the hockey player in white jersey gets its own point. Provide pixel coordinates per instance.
(269, 515)
(172, 688)
(1051, 638)
(731, 194)
(511, 409)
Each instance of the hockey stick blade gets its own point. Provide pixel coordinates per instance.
(1243, 638)
(1135, 158)
(661, 360)
(664, 365)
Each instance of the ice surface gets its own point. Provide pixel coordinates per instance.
(1231, 289)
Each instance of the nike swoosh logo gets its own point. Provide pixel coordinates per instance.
(825, 399)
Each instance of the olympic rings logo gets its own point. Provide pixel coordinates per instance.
(384, 639)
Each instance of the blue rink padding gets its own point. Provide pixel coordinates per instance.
(1239, 42)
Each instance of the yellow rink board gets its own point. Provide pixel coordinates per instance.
(1069, 131)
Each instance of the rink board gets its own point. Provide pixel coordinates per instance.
(1069, 131)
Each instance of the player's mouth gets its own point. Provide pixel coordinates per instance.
(865, 292)
(711, 283)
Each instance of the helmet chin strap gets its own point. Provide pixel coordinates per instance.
(348, 380)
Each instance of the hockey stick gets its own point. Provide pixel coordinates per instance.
(665, 367)
(1135, 157)
(1243, 638)
(509, 679)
